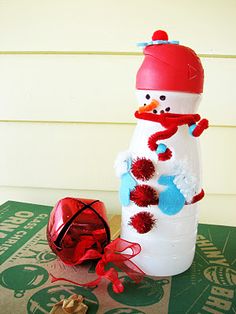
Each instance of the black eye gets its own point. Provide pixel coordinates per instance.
(162, 97)
(162, 111)
(148, 96)
(154, 111)
(144, 104)
(167, 109)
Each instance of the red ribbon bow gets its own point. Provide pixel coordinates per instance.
(114, 253)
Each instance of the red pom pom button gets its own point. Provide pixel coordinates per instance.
(143, 169)
(144, 195)
(143, 222)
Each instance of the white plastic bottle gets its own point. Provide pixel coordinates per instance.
(160, 173)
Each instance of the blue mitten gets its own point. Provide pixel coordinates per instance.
(128, 183)
(171, 200)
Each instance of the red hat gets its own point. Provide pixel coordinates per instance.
(169, 66)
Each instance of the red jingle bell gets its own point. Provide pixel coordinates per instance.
(78, 230)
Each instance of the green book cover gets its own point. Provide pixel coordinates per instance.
(26, 260)
(209, 285)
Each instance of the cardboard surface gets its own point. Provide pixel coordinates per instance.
(209, 286)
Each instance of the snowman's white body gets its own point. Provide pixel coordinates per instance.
(168, 249)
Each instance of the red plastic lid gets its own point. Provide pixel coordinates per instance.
(170, 67)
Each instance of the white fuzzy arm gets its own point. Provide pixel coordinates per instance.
(121, 163)
(185, 181)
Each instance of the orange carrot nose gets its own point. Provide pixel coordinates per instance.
(153, 104)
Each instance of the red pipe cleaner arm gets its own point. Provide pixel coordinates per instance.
(161, 135)
(196, 198)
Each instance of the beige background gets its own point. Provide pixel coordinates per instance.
(67, 76)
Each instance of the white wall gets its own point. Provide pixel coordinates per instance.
(67, 76)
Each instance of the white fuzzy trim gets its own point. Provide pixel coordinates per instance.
(121, 165)
(185, 181)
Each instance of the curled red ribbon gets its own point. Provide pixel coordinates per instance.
(114, 253)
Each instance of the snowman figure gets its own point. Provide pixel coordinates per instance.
(160, 172)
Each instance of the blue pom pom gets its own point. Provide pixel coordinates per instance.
(192, 128)
(161, 148)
